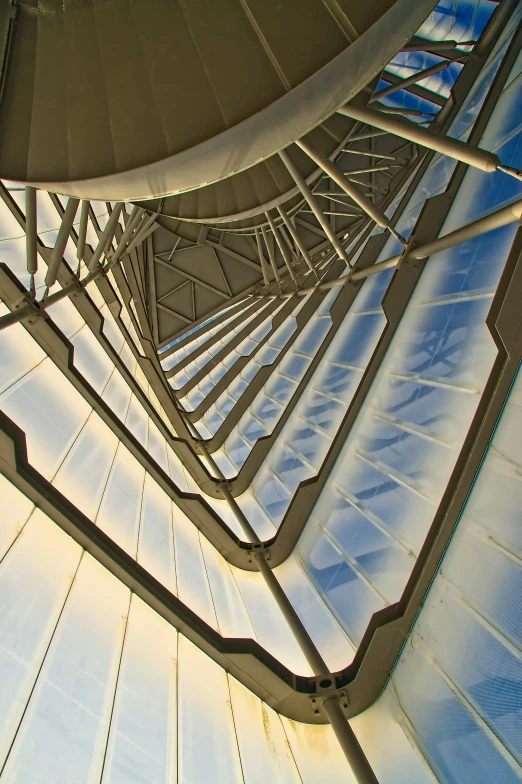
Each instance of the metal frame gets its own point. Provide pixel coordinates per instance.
(359, 684)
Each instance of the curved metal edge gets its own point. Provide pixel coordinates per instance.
(278, 125)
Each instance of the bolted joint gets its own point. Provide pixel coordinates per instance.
(330, 693)
(35, 309)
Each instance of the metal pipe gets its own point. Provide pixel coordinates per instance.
(82, 231)
(61, 242)
(271, 256)
(134, 219)
(281, 247)
(393, 88)
(481, 226)
(307, 193)
(31, 230)
(296, 239)
(356, 757)
(473, 156)
(307, 645)
(264, 265)
(434, 46)
(366, 135)
(495, 220)
(359, 198)
(498, 20)
(106, 236)
(375, 154)
(28, 310)
(401, 110)
(332, 212)
(371, 169)
(147, 227)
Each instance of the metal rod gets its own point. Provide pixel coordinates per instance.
(296, 239)
(403, 111)
(366, 135)
(359, 198)
(31, 230)
(271, 256)
(404, 83)
(134, 219)
(142, 233)
(307, 645)
(332, 212)
(82, 231)
(282, 247)
(307, 193)
(371, 169)
(495, 220)
(498, 20)
(356, 757)
(434, 46)
(264, 265)
(375, 154)
(106, 236)
(490, 222)
(473, 156)
(61, 242)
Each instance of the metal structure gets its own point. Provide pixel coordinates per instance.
(219, 335)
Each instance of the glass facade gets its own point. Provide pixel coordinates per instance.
(305, 423)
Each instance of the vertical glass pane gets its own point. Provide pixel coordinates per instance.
(35, 577)
(208, 752)
(231, 612)
(193, 588)
(15, 510)
(85, 470)
(156, 545)
(63, 734)
(121, 504)
(317, 753)
(50, 411)
(20, 353)
(142, 741)
(265, 753)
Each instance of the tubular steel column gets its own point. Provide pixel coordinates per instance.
(31, 233)
(310, 198)
(282, 248)
(359, 198)
(296, 239)
(345, 735)
(398, 126)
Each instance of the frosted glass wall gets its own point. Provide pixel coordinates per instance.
(96, 687)
(363, 537)
(457, 690)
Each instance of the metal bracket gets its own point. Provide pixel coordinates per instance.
(322, 693)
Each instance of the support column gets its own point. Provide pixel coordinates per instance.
(353, 752)
(398, 126)
(359, 198)
(296, 238)
(282, 248)
(310, 198)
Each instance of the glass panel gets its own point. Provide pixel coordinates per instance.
(84, 471)
(192, 577)
(50, 412)
(16, 508)
(142, 742)
(317, 754)
(208, 752)
(121, 504)
(35, 577)
(63, 733)
(265, 753)
(156, 545)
